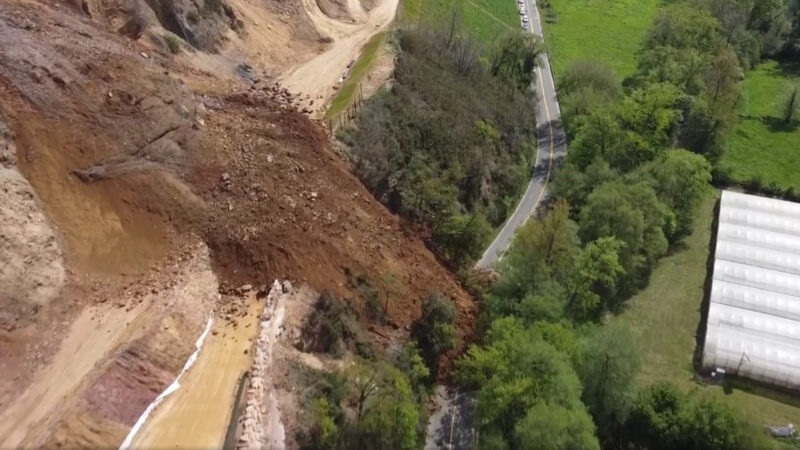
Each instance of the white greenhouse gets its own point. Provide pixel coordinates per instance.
(753, 327)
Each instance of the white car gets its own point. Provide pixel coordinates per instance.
(522, 10)
(524, 19)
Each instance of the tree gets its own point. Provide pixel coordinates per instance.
(632, 213)
(368, 405)
(435, 330)
(649, 116)
(596, 136)
(389, 414)
(590, 73)
(542, 250)
(413, 365)
(587, 85)
(609, 213)
(681, 178)
(555, 427)
(463, 238)
(790, 105)
(575, 184)
(680, 67)
(683, 27)
(515, 56)
(596, 271)
(514, 371)
(607, 369)
(663, 417)
(722, 85)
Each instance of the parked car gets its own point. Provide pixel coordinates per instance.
(524, 19)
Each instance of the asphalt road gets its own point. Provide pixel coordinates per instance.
(551, 148)
(451, 426)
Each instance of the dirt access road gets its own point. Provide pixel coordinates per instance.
(551, 148)
(319, 77)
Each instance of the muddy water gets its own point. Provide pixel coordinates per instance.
(197, 414)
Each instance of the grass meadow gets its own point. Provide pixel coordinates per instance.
(761, 145)
(609, 30)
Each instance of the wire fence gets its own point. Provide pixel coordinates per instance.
(349, 113)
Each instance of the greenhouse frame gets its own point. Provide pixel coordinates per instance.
(753, 326)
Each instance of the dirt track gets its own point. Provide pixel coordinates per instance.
(318, 77)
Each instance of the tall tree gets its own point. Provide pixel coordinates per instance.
(542, 250)
(596, 271)
(649, 117)
(515, 56)
(607, 369)
(514, 371)
(681, 177)
(555, 427)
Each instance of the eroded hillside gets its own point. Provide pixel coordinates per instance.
(142, 188)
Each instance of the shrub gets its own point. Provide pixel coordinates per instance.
(663, 417)
(333, 328)
(435, 330)
(173, 43)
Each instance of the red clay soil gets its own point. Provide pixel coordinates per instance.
(133, 156)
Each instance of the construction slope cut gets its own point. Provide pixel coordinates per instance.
(753, 327)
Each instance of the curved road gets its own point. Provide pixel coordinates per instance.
(452, 425)
(551, 148)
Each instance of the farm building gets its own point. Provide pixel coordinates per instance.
(753, 327)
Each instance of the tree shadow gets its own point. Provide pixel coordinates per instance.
(700, 333)
(777, 125)
(786, 68)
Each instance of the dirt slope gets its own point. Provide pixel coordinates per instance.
(142, 188)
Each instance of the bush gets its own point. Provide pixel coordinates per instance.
(333, 328)
(173, 43)
(374, 305)
(663, 417)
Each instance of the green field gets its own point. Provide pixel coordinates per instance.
(609, 30)
(485, 19)
(664, 318)
(761, 145)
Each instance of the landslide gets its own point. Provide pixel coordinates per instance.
(150, 190)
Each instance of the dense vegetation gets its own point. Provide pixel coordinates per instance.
(758, 153)
(639, 163)
(378, 399)
(368, 405)
(452, 143)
